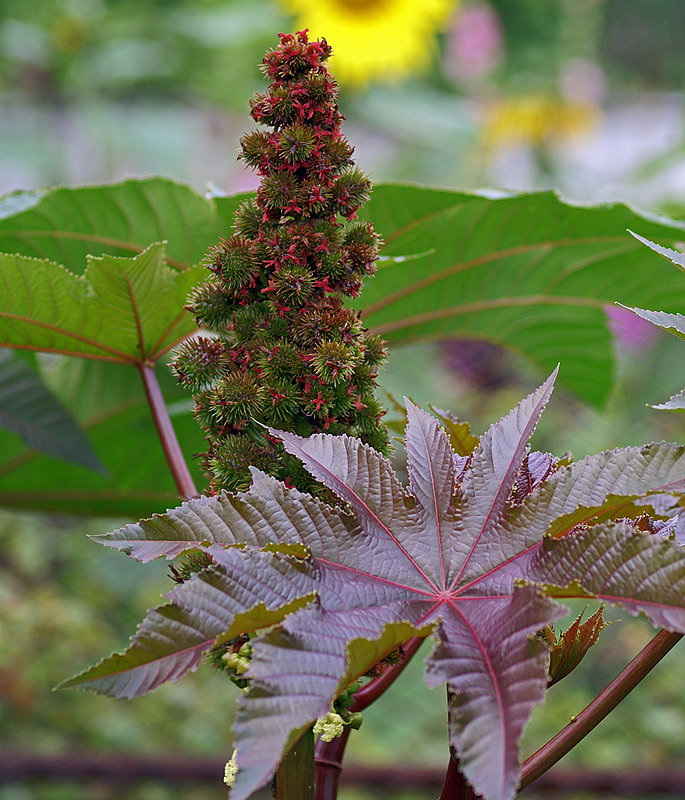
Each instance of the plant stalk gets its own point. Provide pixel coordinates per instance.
(456, 787)
(167, 436)
(295, 775)
(329, 755)
(605, 702)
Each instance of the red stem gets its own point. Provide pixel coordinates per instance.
(456, 787)
(594, 713)
(329, 755)
(167, 436)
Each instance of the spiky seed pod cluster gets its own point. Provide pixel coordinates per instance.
(286, 350)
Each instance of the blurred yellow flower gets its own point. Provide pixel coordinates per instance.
(383, 40)
(536, 118)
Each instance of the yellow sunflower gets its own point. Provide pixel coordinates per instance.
(382, 40)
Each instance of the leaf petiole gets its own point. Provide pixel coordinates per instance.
(167, 435)
(605, 702)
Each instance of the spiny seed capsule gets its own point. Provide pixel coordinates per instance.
(288, 352)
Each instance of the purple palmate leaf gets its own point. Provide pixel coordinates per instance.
(471, 552)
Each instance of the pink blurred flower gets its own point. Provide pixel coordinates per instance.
(474, 45)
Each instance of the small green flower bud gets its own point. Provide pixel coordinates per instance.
(231, 660)
(292, 285)
(234, 262)
(230, 460)
(253, 145)
(246, 323)
(375, 351)
(351, 190)
(285, 401)
(237, 398)
(334, 362)
(277, 190)
(242, 665)
(246, 650)
(212, 307)
(296, 143)
(200, 362)
(247, 219)
(355, 720)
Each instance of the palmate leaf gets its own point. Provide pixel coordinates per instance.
(122, 311)
(527, 271)
(126, 301)
(127, 310)
(458, 553)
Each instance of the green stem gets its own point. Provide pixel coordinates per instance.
(295, 775)
(588, 719)
(167, 435)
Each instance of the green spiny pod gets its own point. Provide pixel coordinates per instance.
(200, 362)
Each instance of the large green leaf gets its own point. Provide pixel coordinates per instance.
(121, 309)
(527, 271)
(66, 225)
(30, 410)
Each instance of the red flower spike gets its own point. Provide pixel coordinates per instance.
(290, 268)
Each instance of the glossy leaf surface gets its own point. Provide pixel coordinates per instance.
(464, 552)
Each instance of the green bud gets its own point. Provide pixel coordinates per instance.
(569, 649)
(242, 665)
(231, 660)
(246, 650)
(355, 720)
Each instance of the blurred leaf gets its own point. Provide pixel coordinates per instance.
(462, 440)
(29, 409)
(121, 309)
(675, 403)
(108, 401)
(526, 271)
(673, 323)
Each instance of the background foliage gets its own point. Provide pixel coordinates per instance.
(584, 96)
